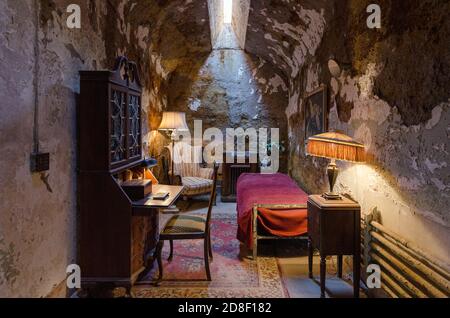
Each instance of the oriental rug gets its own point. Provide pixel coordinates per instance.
(232, 274)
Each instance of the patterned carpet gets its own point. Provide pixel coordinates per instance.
(232, 275)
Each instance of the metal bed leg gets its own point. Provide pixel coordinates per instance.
(255, 233)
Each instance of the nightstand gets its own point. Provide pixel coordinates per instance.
(334, 229)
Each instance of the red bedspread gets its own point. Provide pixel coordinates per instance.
(269, 189)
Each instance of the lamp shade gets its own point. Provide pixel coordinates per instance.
(335, 145)
(173, 121)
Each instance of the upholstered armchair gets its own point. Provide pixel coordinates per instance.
(197, 180)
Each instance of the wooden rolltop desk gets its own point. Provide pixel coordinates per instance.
(117, 235)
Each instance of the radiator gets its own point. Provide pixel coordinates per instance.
(235, 172)
(406, 270)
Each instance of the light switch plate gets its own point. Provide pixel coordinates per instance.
(40, 162)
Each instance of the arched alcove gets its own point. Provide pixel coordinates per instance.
(228, 22)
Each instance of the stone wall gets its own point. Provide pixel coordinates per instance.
(393, 95)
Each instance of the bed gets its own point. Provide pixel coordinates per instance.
(270, 206)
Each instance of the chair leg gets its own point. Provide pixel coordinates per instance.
(159, 248)
(171, 251)
(208, 273)
(340, 266)
(310, 258)
(210, 247)
(129, 292)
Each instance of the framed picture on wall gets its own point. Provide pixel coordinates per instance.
(316, 108)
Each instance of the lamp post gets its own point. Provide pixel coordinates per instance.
(172, 122)
(335, 146)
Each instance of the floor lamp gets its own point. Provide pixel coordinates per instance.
(172, 122)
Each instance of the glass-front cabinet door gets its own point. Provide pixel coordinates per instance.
(118, 116)
(125, 127)
(134, 126)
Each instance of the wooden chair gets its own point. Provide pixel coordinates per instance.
(188, 227)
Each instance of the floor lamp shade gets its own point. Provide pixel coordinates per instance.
(173, 121)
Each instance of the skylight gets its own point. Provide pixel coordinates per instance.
(227, 11)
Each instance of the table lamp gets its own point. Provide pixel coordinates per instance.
(335, 146)
(171, 122)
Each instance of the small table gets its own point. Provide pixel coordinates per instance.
(334, 229)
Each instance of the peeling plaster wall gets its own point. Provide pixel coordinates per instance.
(37, 228)
(284, 32)
(393, 96)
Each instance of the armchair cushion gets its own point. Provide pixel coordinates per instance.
(196, 186)
(206, 173)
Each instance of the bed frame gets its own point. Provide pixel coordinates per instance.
(257, 237)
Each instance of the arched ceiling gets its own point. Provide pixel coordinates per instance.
(284, 32)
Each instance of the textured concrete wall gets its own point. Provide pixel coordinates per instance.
(393, 96)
